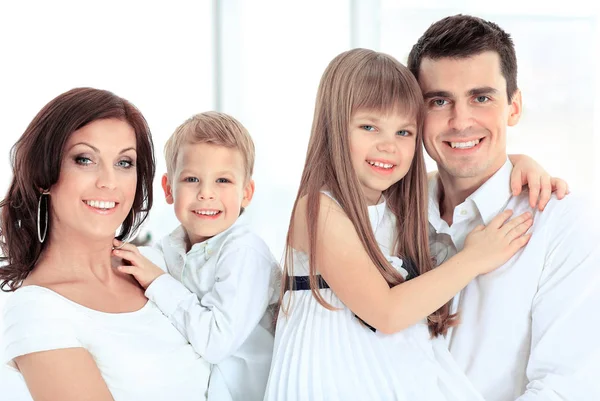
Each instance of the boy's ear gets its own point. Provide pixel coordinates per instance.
(248, 193)
(167, 188)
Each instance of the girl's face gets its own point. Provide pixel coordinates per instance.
(382, 147)
(97, 182)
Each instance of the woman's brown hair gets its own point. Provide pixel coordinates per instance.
(36, 160)
(362, 79)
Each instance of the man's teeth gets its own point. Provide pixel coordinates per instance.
(464, 145)
(100, 204)
(207, 212)
(380, 165)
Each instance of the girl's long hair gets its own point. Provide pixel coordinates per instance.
(362, 79)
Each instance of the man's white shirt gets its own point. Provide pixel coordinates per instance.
(529, 330)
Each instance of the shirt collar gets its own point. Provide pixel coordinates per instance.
(490, 198)
(178, 238)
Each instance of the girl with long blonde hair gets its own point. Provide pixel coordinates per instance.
(360, 297)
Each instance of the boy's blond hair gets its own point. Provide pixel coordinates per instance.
(215, 128)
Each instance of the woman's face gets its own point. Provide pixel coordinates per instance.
(97, 182)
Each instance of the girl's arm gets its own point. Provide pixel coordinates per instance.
(68, 374)
(540, 184)
(352, 276)
(527, 171)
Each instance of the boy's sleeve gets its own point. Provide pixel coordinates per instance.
(222, 320)
(155, 256)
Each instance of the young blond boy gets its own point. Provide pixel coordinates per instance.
(222, 280)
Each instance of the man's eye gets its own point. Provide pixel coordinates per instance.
(482, 99)
(440, 102)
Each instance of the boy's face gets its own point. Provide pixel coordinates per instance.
(208, 189)
(467, 112)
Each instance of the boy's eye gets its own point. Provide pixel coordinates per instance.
(369, 128)
(82, 160)
(403, 133)
(222, 180)
(190, 179)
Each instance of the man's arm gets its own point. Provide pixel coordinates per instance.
(564, 362)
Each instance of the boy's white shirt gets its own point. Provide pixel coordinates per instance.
(529, 330)
(221, 296)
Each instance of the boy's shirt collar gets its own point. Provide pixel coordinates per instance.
(176, 242)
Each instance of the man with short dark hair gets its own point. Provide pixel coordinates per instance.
(529, 330)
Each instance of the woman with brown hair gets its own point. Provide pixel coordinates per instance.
(352, 327)
(77, 328)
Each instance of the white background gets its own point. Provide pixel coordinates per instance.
(261, 61)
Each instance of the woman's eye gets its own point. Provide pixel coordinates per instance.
(84, 161)
(125, 163)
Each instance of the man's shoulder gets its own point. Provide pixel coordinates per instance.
(574, 208)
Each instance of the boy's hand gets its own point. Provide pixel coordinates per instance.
(144, 271)
(527, 171)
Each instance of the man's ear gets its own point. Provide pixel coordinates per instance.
(166, 186)
(516, 108)
(248, 193)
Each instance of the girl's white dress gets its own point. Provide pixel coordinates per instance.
(330, 355)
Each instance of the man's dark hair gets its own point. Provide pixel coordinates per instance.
(463, 36)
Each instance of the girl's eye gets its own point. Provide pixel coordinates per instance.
(222, 180)
(82, 160)
(125, 164)
(369, 128)
(403, 133)
(190, 179)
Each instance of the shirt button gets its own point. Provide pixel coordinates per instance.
(463, 212)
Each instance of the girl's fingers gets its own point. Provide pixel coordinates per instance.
(516, 179)
(519, 229)
(519, 242)
(499, 220)
(546, 192)
(534, 188)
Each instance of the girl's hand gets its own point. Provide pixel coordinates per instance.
(144, 271)
(495, 244)
(527, 171)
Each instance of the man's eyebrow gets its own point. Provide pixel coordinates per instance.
(431, 94)
(484, 90)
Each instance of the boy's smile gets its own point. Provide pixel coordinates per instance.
(208, 188)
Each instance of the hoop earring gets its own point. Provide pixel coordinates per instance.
(39, 210)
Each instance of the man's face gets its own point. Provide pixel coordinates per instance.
(467, 112)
